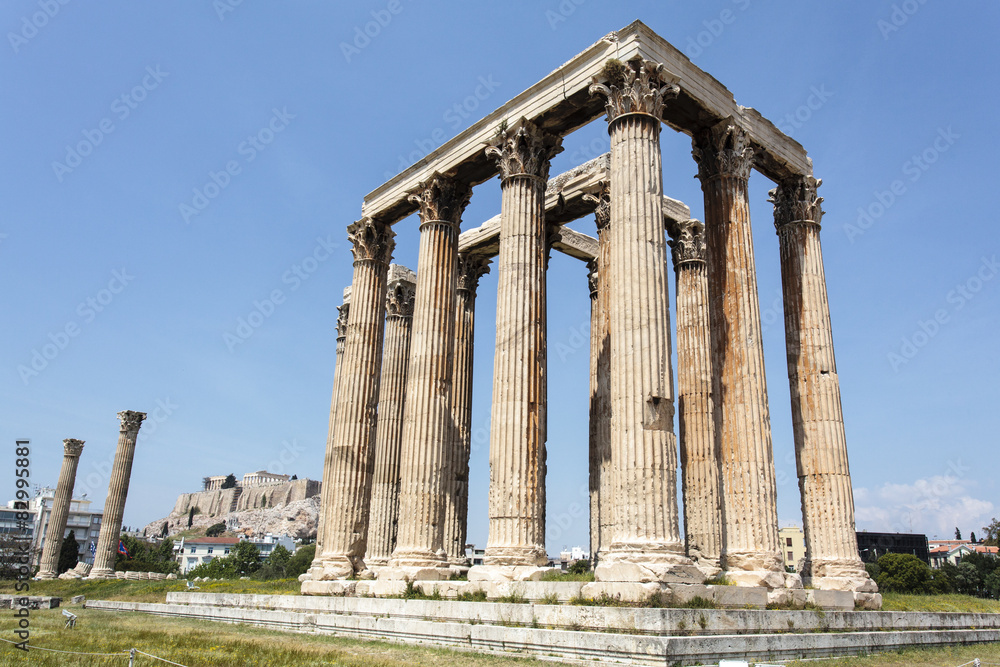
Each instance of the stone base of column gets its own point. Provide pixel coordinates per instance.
(502, 573)
(103, 573)
(759, 569)
(45, 575)
(416, 566)
(710, 567)
(838, 575)
(641, 564)
(330, 569)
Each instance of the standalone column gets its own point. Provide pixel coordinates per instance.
(743, 428)
(428, 431)
(342, 314)
(646, 545)
(832, 560)
(60, 509)
(516, 543)
(392, 398)
(470, 269)
(601, 493)
(699, 463)
(114, 505)
(350, 451)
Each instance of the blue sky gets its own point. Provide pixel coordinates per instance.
(271, 121)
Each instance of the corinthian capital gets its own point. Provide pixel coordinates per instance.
(593, 277)
(471, 268)
(524, 150)
(442, 198)
(723, 150)
(372, 241)
(638, 86)
(796, 200)
(602, 200)
(72, 447)
(687, 241)
(399, 299)
(342, 314)
(131, 420)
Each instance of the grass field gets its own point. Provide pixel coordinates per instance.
(149, 591)
(901, 602)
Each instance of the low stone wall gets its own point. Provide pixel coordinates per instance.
(29, 602)
(638, 636)
(277, 494)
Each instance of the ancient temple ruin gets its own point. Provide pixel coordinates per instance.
(395, 483)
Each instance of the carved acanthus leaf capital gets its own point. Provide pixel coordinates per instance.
(638, 86)
(72, 447)
(442, 198)
(602, 200)
(372, 241)
(687, 241)
(797, 200)
(593, 277)
(723, 150)
(524, 150)
(471, 268)
(342, 314)
(399, 299)
(131, 420)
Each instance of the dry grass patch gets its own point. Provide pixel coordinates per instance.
(937, 657)
(950, 602)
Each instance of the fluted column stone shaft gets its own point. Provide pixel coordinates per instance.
(342, 314)
(114, 505)
(389, 431)
(470, 269)
(832, 559)
(699, 463)
(428, 431)
(646, 543)
(60, 509)
(742, 421)
(350, 450)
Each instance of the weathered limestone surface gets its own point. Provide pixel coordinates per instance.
(646, 544)
(699, 463)
(516, 543)
(60, 509)
(392, 400)
(743, 429)
(347, 472)
(470, 269)
(428, 431)
(114, 505)
(832, 560)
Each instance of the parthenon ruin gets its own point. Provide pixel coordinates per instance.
(395, 482)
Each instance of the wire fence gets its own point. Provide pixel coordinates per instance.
(127, 653)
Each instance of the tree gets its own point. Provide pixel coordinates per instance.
(165, 530)
(992, 532)
(216, 529)
(230, 482)
(958, 534)
(190, 517)
(276, 565)
(294, 477)
(903, 573)
(300, 561)
(579, 567)
(246, 558)
(69, 555)
(972, 537)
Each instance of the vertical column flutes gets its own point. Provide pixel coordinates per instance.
(350, 451)
(384, 510)
(60, 509)
(516, 543)
(428, 430)
(699, 463)
(646, 544)
(114, 505)
(743, 429)
(832, 559)
(470, 269)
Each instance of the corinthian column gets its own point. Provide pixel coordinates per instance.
(699, 463)
(832, 560)
(743, 428)
(646, 545)
(601, 492)
(470, 269)
(516, 544)
(428, 431)
(392, 398)
(60, 509)
(114, 505)
(350, 451)
(342, 314)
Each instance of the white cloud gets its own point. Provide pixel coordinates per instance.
(935, 506)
